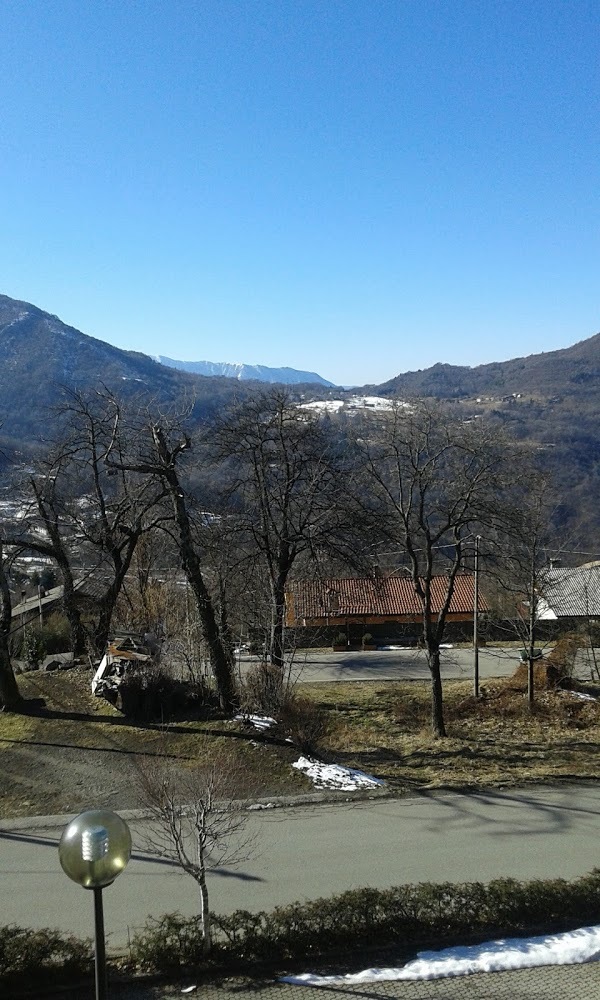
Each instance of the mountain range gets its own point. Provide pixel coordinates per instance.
(257, 373)
(550, 401)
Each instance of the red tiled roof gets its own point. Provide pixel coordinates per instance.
(392, 595)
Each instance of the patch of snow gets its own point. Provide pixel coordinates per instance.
(335, 776)
(258, 721)
(261, 805)
(324, 406)
(371, 403)
(570, 948)
(581, 694)
(398, 647)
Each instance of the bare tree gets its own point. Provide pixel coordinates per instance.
(430, 483)
(198, 820)
(87, 511)
(520, 563)
(283, 487)
(156, 454)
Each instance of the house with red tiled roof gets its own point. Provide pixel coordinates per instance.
(385, 606)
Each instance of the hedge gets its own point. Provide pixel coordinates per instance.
(424, 915)
(36, 958)
(428, 915)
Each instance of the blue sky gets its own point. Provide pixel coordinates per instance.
(354, 187)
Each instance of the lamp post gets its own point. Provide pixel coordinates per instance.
(94, 848)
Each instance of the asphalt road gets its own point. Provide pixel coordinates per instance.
(312, 666)
(305, 853)
(399, 664)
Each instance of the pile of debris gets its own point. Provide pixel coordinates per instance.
(126, 651)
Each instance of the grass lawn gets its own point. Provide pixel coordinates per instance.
(78, 751)
(385, 729)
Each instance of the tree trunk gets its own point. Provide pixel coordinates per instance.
(531, 650)
(10, 698)
(78, 637)
(278, 625)
(102, 629)
(111, 595)
(437, 705)
(205, 917)
(221, 663)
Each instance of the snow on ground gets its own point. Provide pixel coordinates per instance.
(571, 948)
(353, 403)
(258, 721)
(335, 776)
(371, 403)
(324, 406)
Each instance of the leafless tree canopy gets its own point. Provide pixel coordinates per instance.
(199, 820)
(431, 483)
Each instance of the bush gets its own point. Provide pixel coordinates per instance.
(31, 957)
(305, 723)
(37, 641)
(264, 690)
(424, 915)
(168, 944)
(562, 658)
(149, 692)
(32, 646)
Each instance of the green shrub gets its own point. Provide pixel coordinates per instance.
(31, 957)
(409, 917)
(416, 916)
(37, 641)
(170, 943)
(56, 634)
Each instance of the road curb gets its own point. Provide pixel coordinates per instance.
(326, 797)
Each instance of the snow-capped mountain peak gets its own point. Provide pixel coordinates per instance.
(261, 373)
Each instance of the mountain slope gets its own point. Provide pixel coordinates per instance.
(259, 373)
(550, 402)
(554, 372)
(40, 356)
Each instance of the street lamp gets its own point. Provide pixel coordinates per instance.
(94, 848)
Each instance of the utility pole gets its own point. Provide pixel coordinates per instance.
(531, 650)
(476, 619)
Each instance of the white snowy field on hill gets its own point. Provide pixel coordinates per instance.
(353, 403)
(570, 948)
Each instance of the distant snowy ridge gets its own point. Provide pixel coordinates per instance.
(288, 376)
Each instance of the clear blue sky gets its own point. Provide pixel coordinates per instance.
(356, 187)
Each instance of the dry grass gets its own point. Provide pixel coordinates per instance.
(496, 740)
(78, 750)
